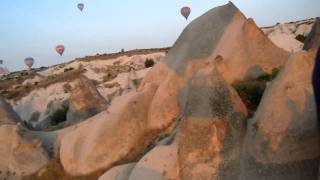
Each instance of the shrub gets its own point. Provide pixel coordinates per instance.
(34, 116)
(148, 63)
(109, 76)
(251, 91)
(269, 77)
(301, 38)
(68, 69)
(60, 115)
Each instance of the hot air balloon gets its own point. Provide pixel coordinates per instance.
(1, 61)
(60, 49)
(185, 11)
(29, 62)
(81, 6)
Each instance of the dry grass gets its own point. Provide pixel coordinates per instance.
(126, 53)
(23, 90)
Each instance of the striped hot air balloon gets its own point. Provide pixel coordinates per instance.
(185, 11)
(29, 61)
(60, 49)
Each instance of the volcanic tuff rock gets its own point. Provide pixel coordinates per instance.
(286, 35)
(282, 138)
(119, 134)
(212, 130)
(160, 163)
(85, 101)
(7, 114)
(20, 156)
(121, 172)
(313, 40)
(226, 32)
(186, 111)
(136, 119)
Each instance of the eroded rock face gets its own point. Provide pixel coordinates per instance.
(7, 114)
(19, 156)
(121, 172)
(85, 102)
(160, 163)
(313, 39)
(119, 134)
(282, 139)
(222, 34)
(212, 130)
(225, 31)
(189, 85)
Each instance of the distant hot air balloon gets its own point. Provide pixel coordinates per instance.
(81, 6)
(185, 11)
(60, 49)
(29, 62)
(1, 61)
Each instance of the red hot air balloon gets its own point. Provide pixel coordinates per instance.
(81, 6)
(29, 62)
(185, 11)
(60, 49)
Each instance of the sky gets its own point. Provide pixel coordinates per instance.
(32, 28)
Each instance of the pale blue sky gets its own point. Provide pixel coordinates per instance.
(34, 27)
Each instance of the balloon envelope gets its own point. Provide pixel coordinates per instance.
(60, 49)
(1, 61)
(81, 6)
(185, 11)
(29, 61)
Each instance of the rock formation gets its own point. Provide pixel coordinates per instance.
(212, 130)
(160, 163)
(313, 40)
(185, 120)
(121, 172)
(283, 138)
(85, 101)
(20, 156)
(171, 91)
(7, 114)
(119, 134)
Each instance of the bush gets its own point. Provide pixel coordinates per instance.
(269, 77)
(148, 63)
(301, 38)
(60, 115)
(68, 69)
(251, 91)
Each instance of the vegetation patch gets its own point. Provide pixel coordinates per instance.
(149, 63)
(301, 38)
(269, 77)
(60, 115)
(23, 90)
(251, 91)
